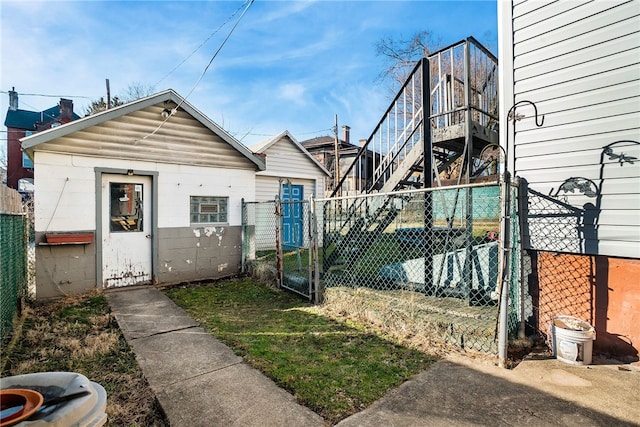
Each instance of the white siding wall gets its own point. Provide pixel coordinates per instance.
(267, 187)
(65, 198)
(579, 62)
(65, 192)
(137, 136)
(175, 186)
(285, 160)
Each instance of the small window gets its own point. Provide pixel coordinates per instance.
(207, 210)
(26, 162)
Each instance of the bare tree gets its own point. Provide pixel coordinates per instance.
(135, 90)
(402, 54)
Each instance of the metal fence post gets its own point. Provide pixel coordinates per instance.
(505, 281)
(521, 209)
(243, 236)
(279, 255)
(314, 262)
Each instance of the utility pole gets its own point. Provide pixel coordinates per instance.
(337, 157)
(108, 94)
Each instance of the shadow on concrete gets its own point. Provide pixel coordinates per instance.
(454, 392)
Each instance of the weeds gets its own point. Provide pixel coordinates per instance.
(80, 335)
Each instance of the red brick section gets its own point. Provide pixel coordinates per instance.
(601, 290)
(15, 171)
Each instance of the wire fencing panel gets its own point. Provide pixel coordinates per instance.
(14, 232)
(519, 300)
(259, 226)
(424, 263)
(556, 227)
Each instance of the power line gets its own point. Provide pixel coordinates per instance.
(42, 113)
(49, 96)
(297, 133)
(200, 46)
(248, 4)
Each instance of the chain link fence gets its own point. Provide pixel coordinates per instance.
(557, 226)
(14, 238)
(425, 263)
(422, 263)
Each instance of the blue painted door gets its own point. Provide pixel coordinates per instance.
(292, 197)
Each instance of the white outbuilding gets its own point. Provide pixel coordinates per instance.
(147, 192)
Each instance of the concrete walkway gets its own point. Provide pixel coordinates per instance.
(197, 380)
(201, 382)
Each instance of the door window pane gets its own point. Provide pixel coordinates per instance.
(126, 207)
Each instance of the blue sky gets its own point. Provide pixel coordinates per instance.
(287, 66)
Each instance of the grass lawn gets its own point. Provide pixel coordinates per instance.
(80, 335)
(334, 368)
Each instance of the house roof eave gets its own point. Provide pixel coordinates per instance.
(29, 143)
(263, 146)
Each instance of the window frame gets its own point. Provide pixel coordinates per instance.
(222, 206)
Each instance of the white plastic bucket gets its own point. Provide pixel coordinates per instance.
(572, 340)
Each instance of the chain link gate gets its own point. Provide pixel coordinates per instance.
(276, 243)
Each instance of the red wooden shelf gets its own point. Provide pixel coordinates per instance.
(68, 238)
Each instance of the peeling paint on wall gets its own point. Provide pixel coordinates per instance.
(208, 232)
(219, 234)
(199, 252)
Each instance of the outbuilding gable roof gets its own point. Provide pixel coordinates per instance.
(263, 146)
(161, 127)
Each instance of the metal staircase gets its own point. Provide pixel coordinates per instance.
(456, 89)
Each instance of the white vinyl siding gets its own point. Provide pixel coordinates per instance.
(579, 62)
(267, 187)
(137, 136)
(286, 161)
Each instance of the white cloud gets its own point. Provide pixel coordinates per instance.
(292, 92)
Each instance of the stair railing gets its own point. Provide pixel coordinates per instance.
(394, 136)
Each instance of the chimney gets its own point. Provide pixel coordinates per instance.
(362, 142)
(66, 110)
(13, 99)
(345, 133)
